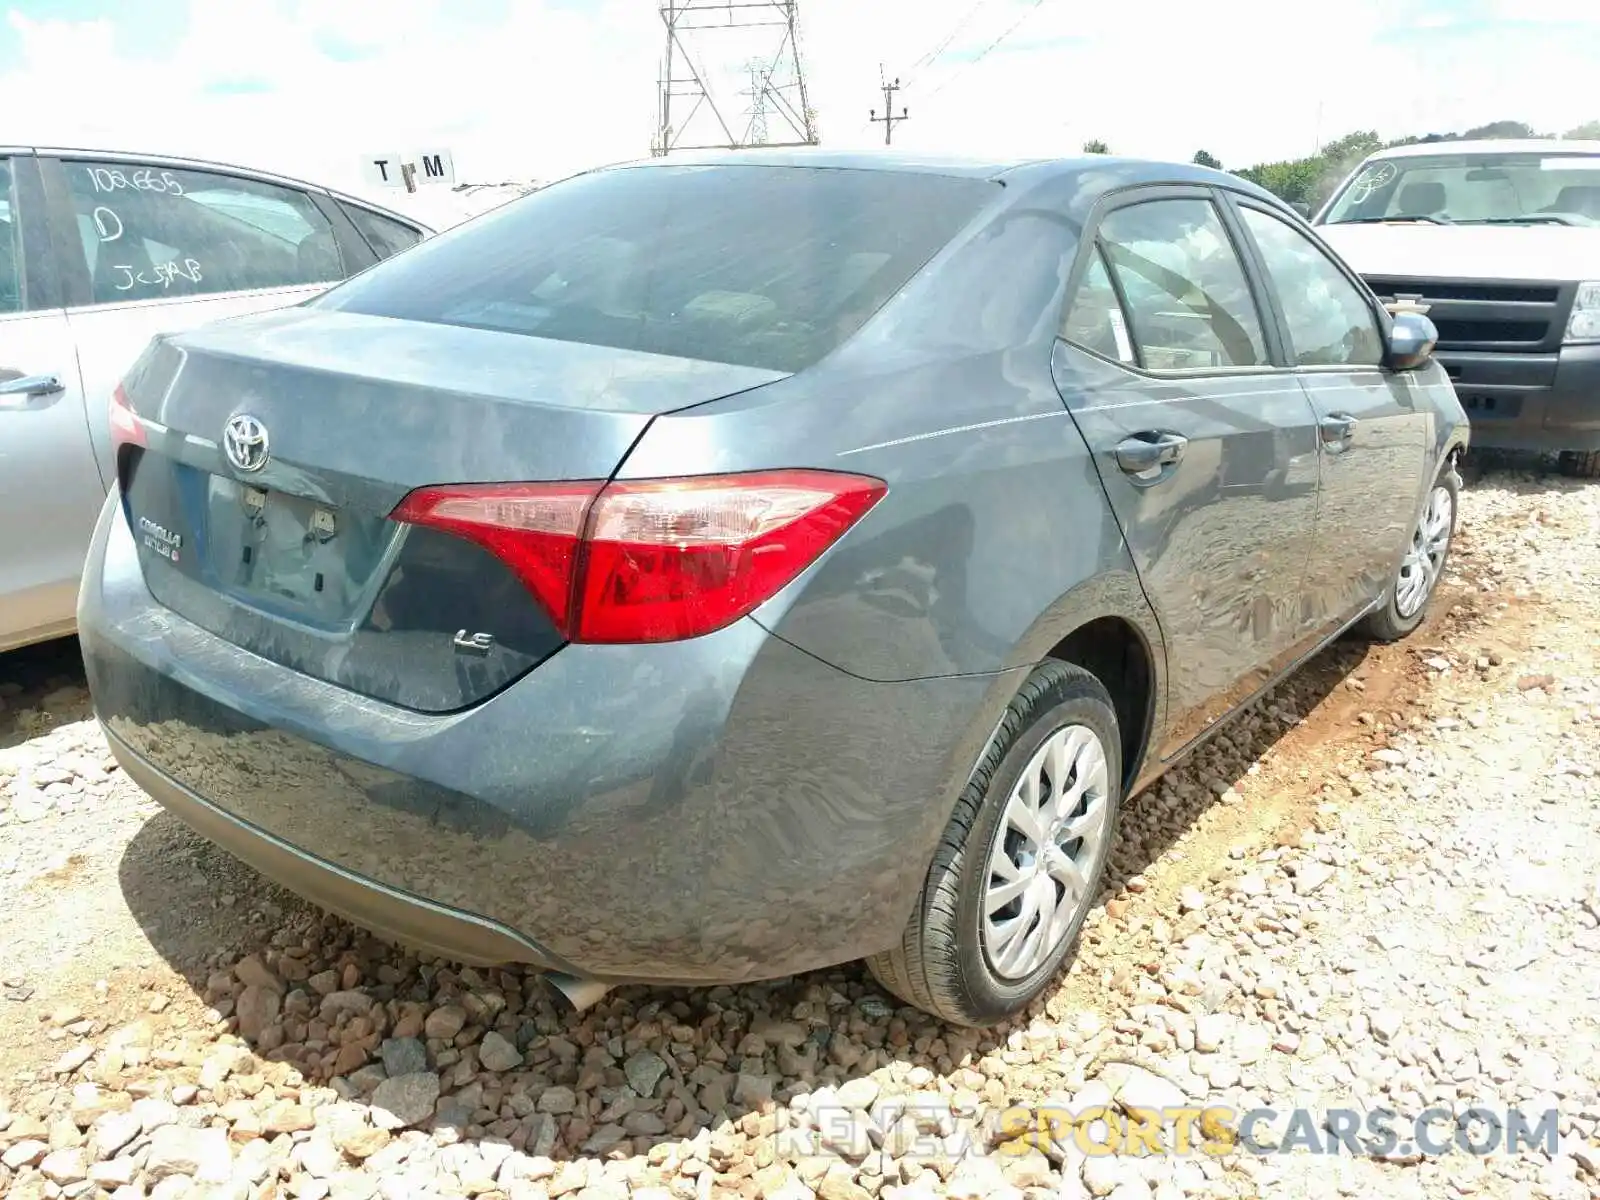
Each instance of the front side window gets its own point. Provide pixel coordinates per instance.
(385, 235)
(150, 232)
(760, 266)
(1330, 322)
(1186, 292)
(1538, 188)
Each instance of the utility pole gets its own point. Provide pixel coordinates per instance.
(888, 120)
(701, 119)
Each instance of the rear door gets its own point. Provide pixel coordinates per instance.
(1373, 427)
(1207, 450)
(151, 247)
(50, 492)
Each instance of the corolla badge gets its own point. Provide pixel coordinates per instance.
(245, 442)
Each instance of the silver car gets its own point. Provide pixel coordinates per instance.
(100, 252)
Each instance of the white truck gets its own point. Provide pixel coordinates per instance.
(1499, 243)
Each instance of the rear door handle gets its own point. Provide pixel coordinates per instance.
(1337, 428)
(1149, 451)
(18, 390)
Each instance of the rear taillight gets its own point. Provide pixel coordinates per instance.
(126, 428)
(656, 560)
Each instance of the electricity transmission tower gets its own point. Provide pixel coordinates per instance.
(691, 116)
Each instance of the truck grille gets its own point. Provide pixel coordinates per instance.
(1476, 315)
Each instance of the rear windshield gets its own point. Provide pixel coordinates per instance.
(768, 267)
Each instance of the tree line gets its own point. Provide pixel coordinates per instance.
(1311, 180)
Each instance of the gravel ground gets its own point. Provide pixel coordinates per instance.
(1376, 891)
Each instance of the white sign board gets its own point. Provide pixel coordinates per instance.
(383, 170)
(435, 166)
(388, 169)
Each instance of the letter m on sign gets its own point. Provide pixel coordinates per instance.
(437, 166)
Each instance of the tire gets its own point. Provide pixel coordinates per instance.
(1580, 464)
(943, 962)
(1391, 622)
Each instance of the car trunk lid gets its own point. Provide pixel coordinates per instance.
(286, 548)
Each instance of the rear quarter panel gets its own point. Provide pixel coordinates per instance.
(994, 540)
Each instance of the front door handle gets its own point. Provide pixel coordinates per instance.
(1336, 428)
(1149, 451)
(29, 385)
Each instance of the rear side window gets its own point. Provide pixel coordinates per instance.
(769, 267)
(1095, 320)
(1186, 292)
(385, 235)
(10, 245)
(150, 232)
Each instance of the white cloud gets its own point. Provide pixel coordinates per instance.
(551, 89)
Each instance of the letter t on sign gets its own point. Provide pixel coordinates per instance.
(382, 170)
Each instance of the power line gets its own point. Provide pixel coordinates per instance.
(984, 53)
(932, 55)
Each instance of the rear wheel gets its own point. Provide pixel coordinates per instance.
(1581, 464)
(1022, 859)
(1406, 604)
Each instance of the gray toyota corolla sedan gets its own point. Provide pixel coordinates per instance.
(705, 571)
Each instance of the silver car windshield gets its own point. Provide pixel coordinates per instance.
(1520, 188)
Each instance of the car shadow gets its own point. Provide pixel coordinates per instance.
(1521, 471)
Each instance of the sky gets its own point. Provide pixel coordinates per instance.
(537, 89)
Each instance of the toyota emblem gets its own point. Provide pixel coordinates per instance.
(245, 441)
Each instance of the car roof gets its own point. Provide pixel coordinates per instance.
(202, 164)
(1127, 170)
(1546, 146)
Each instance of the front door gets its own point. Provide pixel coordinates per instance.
(50, 490)
(1208, 453)
(1373, 431)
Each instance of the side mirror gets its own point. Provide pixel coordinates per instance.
(1301, 207)
(1412, 338)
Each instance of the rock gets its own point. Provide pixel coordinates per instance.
(65, 1166)
(115, 1130)
(444, 1023)
(403, 1056)
(1311, 877)
(858, 1093)
(405, 1100)
(753, 1092)
(495, 1053)
(256, 1010)
(558, 1100)
(202, 1154)
(254, 972)
(644, 1071)
(1191, 900)
(839, 1183)
(1385, 1023)
(287, 1117)
(25, 1153)
(1137, 1089)
(360, 1141)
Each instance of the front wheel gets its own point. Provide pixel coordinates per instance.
(1022, 859)
(1406, 602)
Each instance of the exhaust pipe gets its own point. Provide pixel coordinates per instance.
(581, 994)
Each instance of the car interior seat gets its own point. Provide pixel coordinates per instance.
(1421, 199)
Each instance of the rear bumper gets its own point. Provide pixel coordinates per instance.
(718, 810)
(1530, 401)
